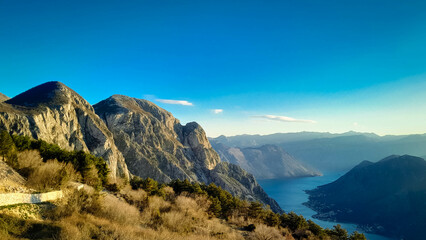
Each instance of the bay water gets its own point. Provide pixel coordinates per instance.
(290, 195)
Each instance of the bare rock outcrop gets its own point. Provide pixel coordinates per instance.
(156, 145)
(55, 113)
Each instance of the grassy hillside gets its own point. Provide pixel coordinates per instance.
(140, 209)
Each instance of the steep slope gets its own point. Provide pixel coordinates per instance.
(10, 180)
(265, 162)
(388, 197)
(156, 145)
(3, 97)
(55, 113)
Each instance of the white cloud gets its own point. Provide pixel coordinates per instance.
(284, 119)
(178, 102)
(217, 111)
(355, 124)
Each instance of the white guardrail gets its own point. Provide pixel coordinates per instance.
(17, 198)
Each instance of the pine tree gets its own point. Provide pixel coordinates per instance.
(255, 209)
(215, 209)
(8, 149)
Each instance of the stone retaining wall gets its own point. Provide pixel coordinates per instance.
(16, 198)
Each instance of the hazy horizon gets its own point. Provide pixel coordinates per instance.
(335, 133)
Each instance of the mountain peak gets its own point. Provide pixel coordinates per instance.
(124, 104)
(389, 158)
(378, 194)
(362, 164)
(49, 93)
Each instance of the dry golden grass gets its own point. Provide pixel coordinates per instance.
(91, 177)
(112, 218)
(51, 175)
(158, 203)
(263, 232)
(137, 198)
(87, 226)
(29, 159)
(118, 211)
(133, 214)
(169, 193)
(239, 221)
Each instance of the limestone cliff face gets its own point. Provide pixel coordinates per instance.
(55, 113)
(156, 145)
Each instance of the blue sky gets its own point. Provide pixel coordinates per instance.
(269, 66)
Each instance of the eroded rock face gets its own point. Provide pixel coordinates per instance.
(236, 180)
(55, 113)
(156, 145)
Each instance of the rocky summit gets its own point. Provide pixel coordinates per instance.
(134, 136)
(55, 113)
(156, 145)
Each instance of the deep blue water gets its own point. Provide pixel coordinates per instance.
(289, 193)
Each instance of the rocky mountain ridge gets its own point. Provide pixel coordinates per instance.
(156, 145)
(55, 113)
(132, 135)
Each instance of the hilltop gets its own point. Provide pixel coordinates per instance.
(378, 196)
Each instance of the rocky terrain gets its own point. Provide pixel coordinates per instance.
(10, 180)
(132, 135)
(264, 162)
(55, 113)
(156, 145)
(387, 197)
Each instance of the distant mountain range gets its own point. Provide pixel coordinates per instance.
(334, 152)
(387, 197)
(134, 136)
(264, 162)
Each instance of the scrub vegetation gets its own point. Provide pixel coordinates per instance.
(139, 209)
